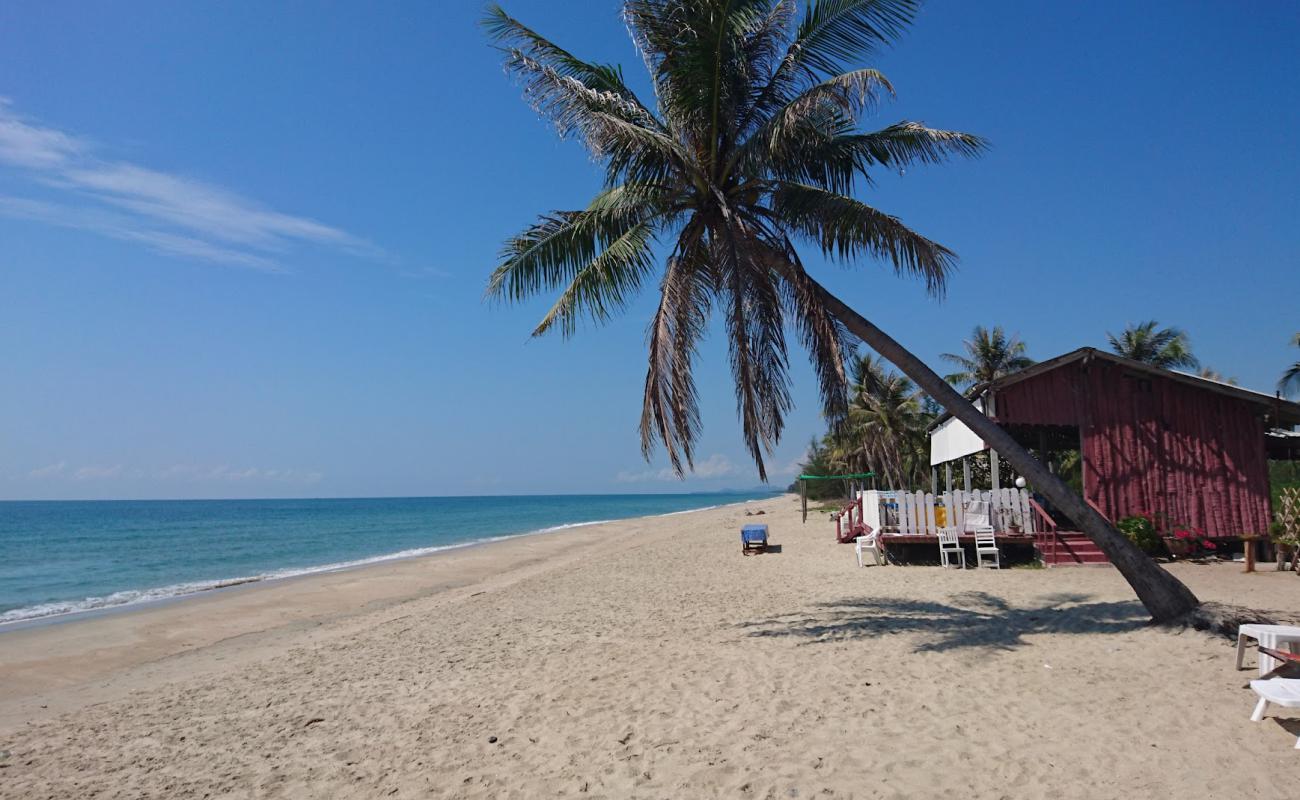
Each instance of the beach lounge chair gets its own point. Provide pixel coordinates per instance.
(1276, 637)
(753, 539)
(950, 547)
(1283, 692)
(869, 543)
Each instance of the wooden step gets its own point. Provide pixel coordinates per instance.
(1072, 549)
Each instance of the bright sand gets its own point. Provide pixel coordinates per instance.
(648, 658)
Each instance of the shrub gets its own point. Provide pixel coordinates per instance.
(1141, 531)
(1285, 529)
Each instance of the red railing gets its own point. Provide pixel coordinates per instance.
(1048, 532)
(1097, 508)
(844, 517)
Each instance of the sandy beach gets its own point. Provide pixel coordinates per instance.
(647, 658)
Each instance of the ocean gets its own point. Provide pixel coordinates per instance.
(60, 558)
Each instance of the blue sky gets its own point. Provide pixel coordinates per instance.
(243, 245)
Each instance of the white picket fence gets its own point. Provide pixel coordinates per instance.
(913, 513)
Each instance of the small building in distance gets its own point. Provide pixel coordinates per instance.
(1150, 441)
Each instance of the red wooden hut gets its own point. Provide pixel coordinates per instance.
(1150, 440)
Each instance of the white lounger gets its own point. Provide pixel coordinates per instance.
(1283, 692)
(1278, 637)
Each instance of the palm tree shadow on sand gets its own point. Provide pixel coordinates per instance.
(967, 620)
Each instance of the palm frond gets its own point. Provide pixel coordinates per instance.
(1289, 383)
(1167, 348)
(847, 229)
(990, 354)
(550, 253)
(607, 284)
(519, 38)
(670, 406)
(756, 337)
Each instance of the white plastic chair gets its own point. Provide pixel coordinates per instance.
(1283, 692)
(869, 544)
(1277, 637)
(986, 545)
(950, 546)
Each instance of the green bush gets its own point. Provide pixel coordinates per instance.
(1141, 532)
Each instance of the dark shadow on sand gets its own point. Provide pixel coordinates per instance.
(967, 619)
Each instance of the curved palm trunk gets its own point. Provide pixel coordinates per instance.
(1164, 596)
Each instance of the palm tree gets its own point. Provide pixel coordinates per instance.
(1290, 382)
(752, 143)
(989, 354)
(1211, 374)
(1167, 348)
(884, 427)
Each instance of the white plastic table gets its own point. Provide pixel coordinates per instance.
(1278, 637)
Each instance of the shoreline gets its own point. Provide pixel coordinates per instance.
(175, 592)
(48, 664)
(647, 657)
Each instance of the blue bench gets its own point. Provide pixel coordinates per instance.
(753, 539)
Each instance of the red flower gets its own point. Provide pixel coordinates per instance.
(1206, 543)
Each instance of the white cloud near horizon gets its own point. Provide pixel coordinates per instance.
(49, 471)
(715, 466)
(170, 214)
(97, 472)
(190, 473)
(224, 472)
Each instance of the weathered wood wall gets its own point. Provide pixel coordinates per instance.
(1151, 444)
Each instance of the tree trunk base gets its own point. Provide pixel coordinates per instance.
(1222, 619)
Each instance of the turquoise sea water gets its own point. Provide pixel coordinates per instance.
(65, 557)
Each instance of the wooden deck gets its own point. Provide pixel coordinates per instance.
(922, 548)
(1071, 548)
(925, 538)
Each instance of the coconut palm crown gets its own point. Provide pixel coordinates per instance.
(990, 354)
(752, 145)
(1167, 348)
(1289, 384)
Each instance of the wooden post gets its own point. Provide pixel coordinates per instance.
(965, 473)
(934, 480)
(947, 476)
(1249, 542)
(991, 412)
(803, 494)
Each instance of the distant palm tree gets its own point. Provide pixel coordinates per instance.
(1290, 382)
(989, 354)
(884, 429)
(1167, 348)
(752, 143)
(1214, 375)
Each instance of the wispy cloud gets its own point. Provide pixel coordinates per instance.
(97, 472)
(167, 213)
(50, 471)
(715, 466)
(223, 472)
(187, 473)
(117, 226)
